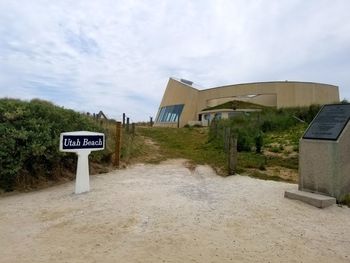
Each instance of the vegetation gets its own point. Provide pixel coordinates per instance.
(236, 104)
(192, 144)
(251, 129)
(345, 200)
(189, 143)
(268, 142)
(29, 139)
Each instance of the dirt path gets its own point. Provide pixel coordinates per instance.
(166, 213)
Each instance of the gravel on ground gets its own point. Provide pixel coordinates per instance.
(169, 213)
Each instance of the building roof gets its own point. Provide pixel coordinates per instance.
(200, 88)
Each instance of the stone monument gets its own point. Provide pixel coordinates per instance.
(324, 158)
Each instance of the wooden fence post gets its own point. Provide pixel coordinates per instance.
(127, 124)
(123, 120)
(118, 136)
(232, 155)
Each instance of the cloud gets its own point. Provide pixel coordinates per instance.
(116, 56)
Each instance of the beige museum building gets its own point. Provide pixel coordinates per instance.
(183, 103)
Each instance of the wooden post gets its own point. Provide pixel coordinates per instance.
(232, 156)
(127, 124)
(118, 136)
(151, 121)
(123, 120)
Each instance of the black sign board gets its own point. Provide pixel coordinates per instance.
(70, 142)
(329, 122)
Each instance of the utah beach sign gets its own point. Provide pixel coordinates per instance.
(82, 143)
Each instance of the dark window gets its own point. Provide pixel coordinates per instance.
(170, 113)
(217, 116)
(161, 114)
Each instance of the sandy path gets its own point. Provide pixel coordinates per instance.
(166, 213)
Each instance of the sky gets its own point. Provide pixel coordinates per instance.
(117, 56)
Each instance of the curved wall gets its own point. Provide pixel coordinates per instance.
(288, 93)
(278, 94)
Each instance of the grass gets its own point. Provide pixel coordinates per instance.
(285, 138)
(192, 144)
(290, 163)
(261, 161)
(345, 200)
(133, 146)
(251, 160)
(188, 143)
(279, 130)
(236, 104)
(264, 176)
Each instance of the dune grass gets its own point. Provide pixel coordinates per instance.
(192, 144)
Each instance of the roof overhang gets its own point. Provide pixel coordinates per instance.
(229, 110)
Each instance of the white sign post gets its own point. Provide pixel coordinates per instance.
(82, 143)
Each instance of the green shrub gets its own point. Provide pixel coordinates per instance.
(277, 120)
(244, 141)
(249, 128)
(275, 149)
(29, 139)
(259, 141)
(240, 127)
(346, 200)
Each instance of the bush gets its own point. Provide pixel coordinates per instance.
(237, 127)
(258, 142)
(346, 200)
(250, 128)
(244, 141)
(29, 139)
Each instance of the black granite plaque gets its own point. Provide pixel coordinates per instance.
(329, 122)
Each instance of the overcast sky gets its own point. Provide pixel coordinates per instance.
(117, 56)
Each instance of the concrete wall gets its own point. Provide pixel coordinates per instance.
(288, 94)
(179, 93)
(278, 94)
(324, 166)
(291, 94)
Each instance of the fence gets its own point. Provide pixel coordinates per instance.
(227, 139)
(119, 137)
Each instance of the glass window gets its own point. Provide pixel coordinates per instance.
(161, 114)
(170, 113)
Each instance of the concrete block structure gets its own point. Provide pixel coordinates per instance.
(324, 165)
(317, 200)
(183, 102)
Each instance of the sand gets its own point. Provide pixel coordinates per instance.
(168, 213)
